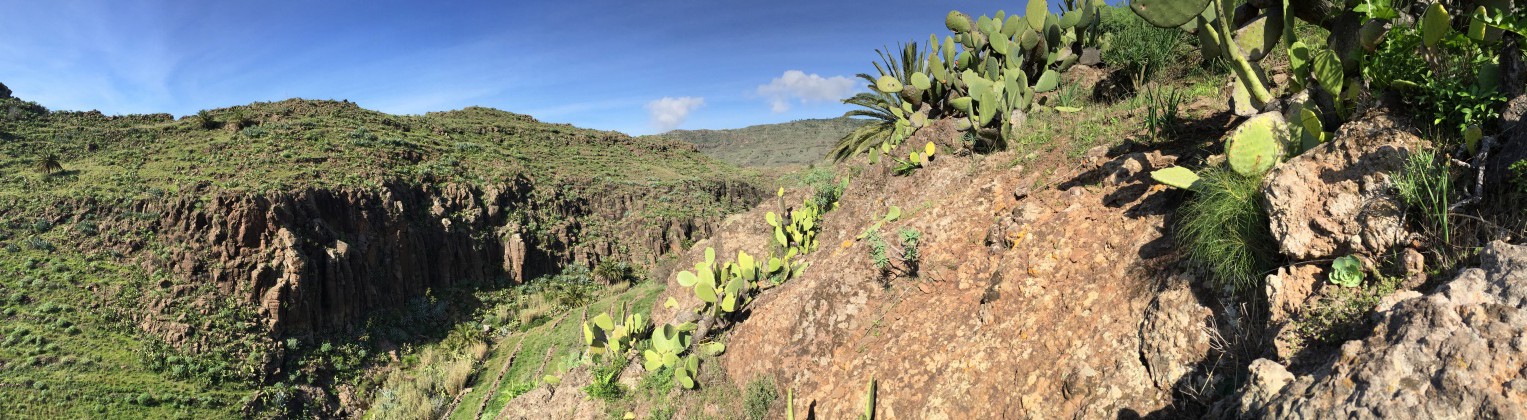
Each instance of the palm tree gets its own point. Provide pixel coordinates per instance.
(49, 164)
(877, 105)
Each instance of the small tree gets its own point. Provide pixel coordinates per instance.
(49, 164)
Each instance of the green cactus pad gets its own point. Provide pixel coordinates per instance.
(1035, 13)
(1176, 176)
(687, 279)
(1257, 144)
(1435, 25)
(888, 84)
(1168, 13)
(1070, 19)
(985, 112)
(1013, 24)
(957, 22)
(1311, 130)
(1327, 70)
(961, 103)
(604, 322)
(1047, 81)
(712, 349)
(1258, 37)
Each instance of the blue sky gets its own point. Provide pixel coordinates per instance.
(639, 67)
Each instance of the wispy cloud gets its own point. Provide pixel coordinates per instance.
(668, 113)
(796, 84)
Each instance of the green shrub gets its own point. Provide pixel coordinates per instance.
(1135, 46)
(1425, 187)
(1224, 229)
(1441, 84)
(1161, 105)
(759, 395)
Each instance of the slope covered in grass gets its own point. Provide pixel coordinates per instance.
(795, 143)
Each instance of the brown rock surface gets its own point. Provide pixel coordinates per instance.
(1453, 353)
(1335, 199)
(1023, 307)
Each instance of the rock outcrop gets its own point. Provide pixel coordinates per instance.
(320, 259)
(1454, 353)
(1336, 199)
(1020, 308)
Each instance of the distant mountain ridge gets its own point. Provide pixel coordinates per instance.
(794, 143)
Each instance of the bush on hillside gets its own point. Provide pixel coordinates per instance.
(1224, 229)
(1135, 46)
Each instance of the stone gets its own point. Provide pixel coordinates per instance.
(5, 92)
(1415, 267)
(1336, 199)
(1451, 354)
(1290, 288)
(1174, 336)
(1091, 57)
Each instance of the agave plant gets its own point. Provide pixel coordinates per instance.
(878, 105)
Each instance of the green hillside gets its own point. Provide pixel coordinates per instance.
(794, 143)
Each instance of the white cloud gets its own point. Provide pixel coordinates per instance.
(668, 113)
(796, 84)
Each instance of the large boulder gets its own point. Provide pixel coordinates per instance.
(1336, 199)
(1454, 353)
(5, 92)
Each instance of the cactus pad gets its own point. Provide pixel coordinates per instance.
(1435, 25)
(1168, 13)
(888, 84)
(1257, 144)
(1035, 13)
(1047, 81)
(1327, 70)
(957, 22)
(1176, 176)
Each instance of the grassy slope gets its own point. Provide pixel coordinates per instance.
(795, 143)
(68, 348)
(297, 143)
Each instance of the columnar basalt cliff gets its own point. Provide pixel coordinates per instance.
(316, 260)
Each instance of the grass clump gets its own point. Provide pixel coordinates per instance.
(1140, 49)
(759, 395)
(1224, 229)
(1425, 188)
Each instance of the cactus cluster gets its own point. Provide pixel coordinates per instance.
(915, 160)
(988, 73)
(798, 235)
(669, 344)
(992, 68)
(725, 287)
(603, 336)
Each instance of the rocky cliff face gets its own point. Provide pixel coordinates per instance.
(316, 260)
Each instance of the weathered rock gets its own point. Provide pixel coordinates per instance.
(1174, 337)
(1090, 57)
(1336, 199)
(1454, 353)
(5, 92)
(1290, 288)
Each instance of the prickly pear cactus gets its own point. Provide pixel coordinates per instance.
(1257, 144)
